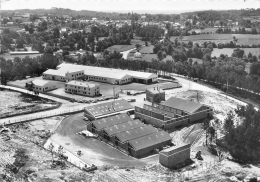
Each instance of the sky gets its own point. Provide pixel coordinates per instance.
(132, 5)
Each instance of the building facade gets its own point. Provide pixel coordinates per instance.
(174, 156)
(41, 85)
(155, 94)
(82, 88)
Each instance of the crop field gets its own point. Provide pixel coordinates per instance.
(120, 48)
(149, 57)
(228, 51)
(12, 102)
(245, 39)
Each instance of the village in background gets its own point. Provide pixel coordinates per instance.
(95, 96)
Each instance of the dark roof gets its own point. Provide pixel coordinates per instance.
(157, 110)
(155, 90)
(150, 140)
(110, 121)
(182, 104)
(108, 107)
(123, 127)
(136, 133)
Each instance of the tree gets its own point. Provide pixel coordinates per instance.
(137, 46)
(205, 125)
(160, 55)
(61, 153)
(51, 149)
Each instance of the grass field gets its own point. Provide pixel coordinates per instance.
(246, 39)
(147, 49)
(136, 41)
(14, 28)
(120, 48)
(228, 51)
(205, 30)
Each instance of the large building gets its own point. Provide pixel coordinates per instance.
(173, 113)
(108, 75)
(82, 88)
(174, 156)
(130, 136)
(103, 110)
(63, 75)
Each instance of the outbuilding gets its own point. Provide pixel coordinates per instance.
(155, 94)
(42, 85)
(174, 156)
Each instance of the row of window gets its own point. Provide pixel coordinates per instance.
(77, 74)
(77, 91)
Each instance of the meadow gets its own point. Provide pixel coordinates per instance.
(245, 39)
(228, 51)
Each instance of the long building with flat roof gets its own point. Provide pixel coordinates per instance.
(109, 75)
(130, 135)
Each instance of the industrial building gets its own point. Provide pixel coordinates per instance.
(108, 75)
(82, 88)
(130, 136)
(172, 113)
(103, 110)
(174, 156)
(155, 94)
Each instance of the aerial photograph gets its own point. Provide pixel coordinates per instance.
(129, 90)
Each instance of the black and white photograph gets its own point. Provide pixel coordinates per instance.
(129, 90)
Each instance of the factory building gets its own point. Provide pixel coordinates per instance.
(103, 110)
(130, 136)
(155, 94)
(82, 88)
(173, 113)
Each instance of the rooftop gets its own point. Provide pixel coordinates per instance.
(111, 121)
(136, 133)
(182, 104)
(55, 72)
(82, 84)
(112, 130)
(150, 140)
(108, 72)
(157, 110)
(39, 82)
(108, 107)
(155, 90)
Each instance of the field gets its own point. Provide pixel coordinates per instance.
(205, 30)
(228, 51)
(12, 102)
(245, 39)
(147, 49)
(14, 28)
(120, 48)
(136, 41)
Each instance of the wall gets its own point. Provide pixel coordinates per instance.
(175, 158)
(57, 78)
(74, 75)
(80, 90)
(200, 115)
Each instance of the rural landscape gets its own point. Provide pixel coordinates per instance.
(112, 96)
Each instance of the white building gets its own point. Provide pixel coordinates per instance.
(109, 75)
(63, 74)
(82, 88)
(43, 85)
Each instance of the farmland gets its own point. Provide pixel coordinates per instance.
(245, 39)
(120, 48)
(228, 51)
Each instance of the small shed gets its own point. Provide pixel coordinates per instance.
(174, 156)
(155, 94)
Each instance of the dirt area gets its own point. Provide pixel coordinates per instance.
(12, 102)
(37, 165)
